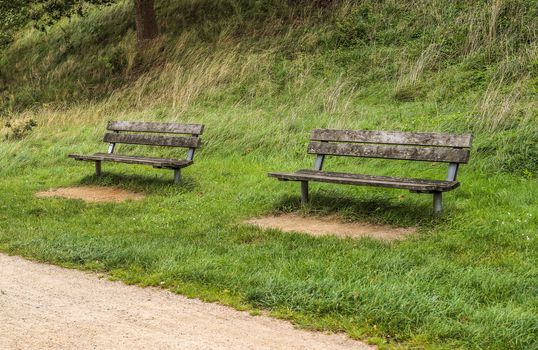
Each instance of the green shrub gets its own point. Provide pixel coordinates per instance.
(19, 128)
(357, 28)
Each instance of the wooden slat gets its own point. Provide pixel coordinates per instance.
(153, 140)
(116, 156)
(155, 162)
(172, 128)
(432, 154)
(376, 177)
(394, 138)
(421, 185)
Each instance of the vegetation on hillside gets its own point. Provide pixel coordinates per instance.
(476, 62)
(261, 75)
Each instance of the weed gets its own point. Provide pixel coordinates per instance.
(19, 128)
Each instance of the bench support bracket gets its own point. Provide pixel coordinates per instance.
(190, 154)
(452, 172)
(177, 176)
(304, 192)
(98, 168)
(318, 165)
(437, 202)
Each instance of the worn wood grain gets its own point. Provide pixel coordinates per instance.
(173, 128)
(129, 159)
(431, 154)
(422, 185)
(392, 137)
(143, 158)
(154, 140)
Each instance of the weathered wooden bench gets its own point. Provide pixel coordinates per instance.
(431, 147)
(148, 133)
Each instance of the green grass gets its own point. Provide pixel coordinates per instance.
(466, 280)
(261, 75)
(462, 67)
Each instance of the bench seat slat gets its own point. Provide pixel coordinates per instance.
(153, 140)
(129, 159)
(432, 154)
(419, 185)
(394, 137)
(172, 128)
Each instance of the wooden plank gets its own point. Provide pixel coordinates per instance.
(155, 162)
(153, 140)
(431, 154)
(142, 158)
(374, 177)
(133, 159)
(172, 128)
(393, 138)
(421, 185)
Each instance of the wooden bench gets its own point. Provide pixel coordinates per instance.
(148, 133)
(430, 147)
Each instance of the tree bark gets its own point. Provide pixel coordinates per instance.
(146, 22)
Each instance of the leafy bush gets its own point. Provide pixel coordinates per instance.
(13, 16)
(356, 28)
(19, 128)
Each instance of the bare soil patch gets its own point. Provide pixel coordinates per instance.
(92, 194)
(48, 307)
(331, 225)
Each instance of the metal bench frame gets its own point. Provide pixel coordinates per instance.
(432, 147)
(148, 133)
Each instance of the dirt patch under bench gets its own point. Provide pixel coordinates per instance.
(92, 194)
(330, 225)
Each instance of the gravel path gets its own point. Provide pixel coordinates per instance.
(48, 307)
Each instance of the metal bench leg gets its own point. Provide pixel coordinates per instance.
(437, 202)
(98, 168)
(177, 176)
(304, 192)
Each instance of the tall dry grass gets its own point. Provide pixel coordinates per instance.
(412, 70)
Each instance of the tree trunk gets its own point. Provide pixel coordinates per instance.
(146, 23)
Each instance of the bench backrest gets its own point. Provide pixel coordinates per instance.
(431, 147)
(148, 133)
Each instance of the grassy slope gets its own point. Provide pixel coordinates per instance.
(260, 77)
